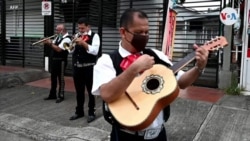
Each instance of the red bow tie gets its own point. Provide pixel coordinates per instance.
(85, 38)
(127, 61)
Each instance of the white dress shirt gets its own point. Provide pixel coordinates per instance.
(65, 40)
(94, 47)
(104, 72)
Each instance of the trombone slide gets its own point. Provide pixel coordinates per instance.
(44, 39)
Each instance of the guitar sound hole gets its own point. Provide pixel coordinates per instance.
(153, 84)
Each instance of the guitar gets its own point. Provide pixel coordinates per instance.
(151, 91)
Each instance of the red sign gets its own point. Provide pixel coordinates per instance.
(169, 34)
(248, 52)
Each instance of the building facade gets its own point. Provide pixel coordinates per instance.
(23, 23)
(245, 50)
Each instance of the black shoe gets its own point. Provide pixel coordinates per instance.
(91, 118)
(49, 98)
(76, 116)
(59, 100)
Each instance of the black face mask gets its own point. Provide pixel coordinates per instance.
(139, 41)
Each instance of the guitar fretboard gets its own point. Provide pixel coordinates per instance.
(186, 60)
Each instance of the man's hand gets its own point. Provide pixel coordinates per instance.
(143, 63)
(78, 41)
(201, 56)
(48, 42)
(188, 78)
(81, 42)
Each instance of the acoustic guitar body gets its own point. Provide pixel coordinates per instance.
(146, 96)
(153, 90)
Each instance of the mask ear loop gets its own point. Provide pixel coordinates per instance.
(130, 33)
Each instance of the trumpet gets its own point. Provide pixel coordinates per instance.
(70, 46)
(44, 39)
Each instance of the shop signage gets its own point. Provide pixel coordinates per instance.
(46, 8)
(169, 32)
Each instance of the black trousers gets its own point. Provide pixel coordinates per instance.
(57, 74)
(83, 77)
(118, 135)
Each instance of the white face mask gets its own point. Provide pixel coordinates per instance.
(60, 35)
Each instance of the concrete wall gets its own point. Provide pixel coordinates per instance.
(224, 72)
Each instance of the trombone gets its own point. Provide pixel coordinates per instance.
(44, 39)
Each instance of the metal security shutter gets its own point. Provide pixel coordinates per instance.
(34, 31)
(198, 22)
(110, 34)
(154, 9)
(24, 25)
(114, 9)
(14, 50)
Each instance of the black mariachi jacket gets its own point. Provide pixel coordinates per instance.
(116, 59)
(81, 55)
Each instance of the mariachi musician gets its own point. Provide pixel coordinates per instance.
(84, 58)
(114, 73)
(58, 65)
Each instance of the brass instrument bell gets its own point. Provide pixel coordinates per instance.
(70, 46)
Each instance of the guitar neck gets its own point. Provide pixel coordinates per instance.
(186, 60)
(212, 45)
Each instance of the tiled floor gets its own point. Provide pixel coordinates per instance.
(5, 69)
(45, 83)
(202, 94)
(192, 92)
